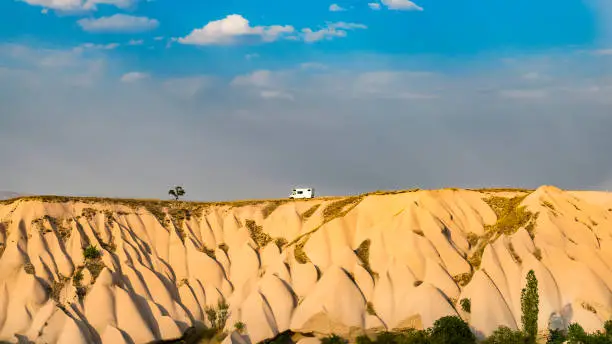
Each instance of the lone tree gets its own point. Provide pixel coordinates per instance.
(529, 307)
(177, 192)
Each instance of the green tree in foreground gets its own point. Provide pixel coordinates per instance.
(529, 307)
(506, 335)
(177, 192)
(451, 330)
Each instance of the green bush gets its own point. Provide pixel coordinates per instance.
(505, 335)
(529, 307)
(333, 339)
(451, 330)
(91, 252)
(466, 305)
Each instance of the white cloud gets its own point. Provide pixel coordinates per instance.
(275, 94)
(133, 77)
(313, 65)
(336, 8)
(258, 78)
(251, 56)
(401, 5)
(330, 31)
(532, 76)
(603, 52)
(118, 23)
(374, 5)
(136, 42)
(109, 46)
(158, 38)
(524, 94)
(232, 27)
(79, 5)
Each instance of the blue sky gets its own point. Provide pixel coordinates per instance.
(128, 97)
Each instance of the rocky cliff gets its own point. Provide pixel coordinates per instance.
(86, 270)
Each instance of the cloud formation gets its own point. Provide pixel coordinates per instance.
(80, 5)
(229, 29)
(235, 29)
(238, 137)
(118, 23)
(336, 8)
(401, 5)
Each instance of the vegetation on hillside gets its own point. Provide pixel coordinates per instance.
(510, 217)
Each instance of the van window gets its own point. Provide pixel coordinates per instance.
(300, 192)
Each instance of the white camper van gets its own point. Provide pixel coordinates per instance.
(302, 193)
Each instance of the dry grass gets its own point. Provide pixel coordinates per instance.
(299, 253)
(538, 253)
(370, 308)
(257, 234)
(63, 230)
(517, 190)
(339, 208)
(419, 232)
(588, 307)
(389, 192)
(463, 279)
(271, 207)
(510, 217)
(514, 255)
(308, 213)
(363, 253)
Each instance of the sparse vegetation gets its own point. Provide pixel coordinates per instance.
(588, 307)
(28, 267)
(466, 305)
(417, 283)
(339, 208)
(89, 213)
(280, 243)
(363, 253)
(418, 232)
(510, 217)
(514, 255)
(537, 253)
(271, 207)
(472, 239)
(257, 234)
(299, 254)
(63, 231)
(209, 252)
(239, 327)
(224, 247)
(370, 308)
(308, 213)
(548, 205)
(463, 279)
(93, 261)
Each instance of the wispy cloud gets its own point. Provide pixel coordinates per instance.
(80, 5)
(331, 31)
(401, 5)
(235, 29)
(133, 77)
(336, 8)
(374, 5)
(524, 94)
(229, 29)
(118, 23)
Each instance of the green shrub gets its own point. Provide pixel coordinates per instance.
(91, 252)
(505, 335)
(466, 305)
(333, 339)
(452, 330)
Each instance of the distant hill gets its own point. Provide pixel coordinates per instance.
(10, 194)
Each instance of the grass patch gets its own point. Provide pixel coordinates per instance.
(209, 252)
(338, 208)
(280, 243)
(63, 231)
(56, 288)
(588, 307)
(538, 253)
(363, 253)
(510, 217)
(299, 254)
(271, 207)
(257, 234)
(463, 279)
(370, 308)
(548, 205)
(389, 192)
(472, 239)
(308, 213)
(28, 267)
(514, 255)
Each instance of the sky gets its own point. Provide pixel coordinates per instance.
(240, 99)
